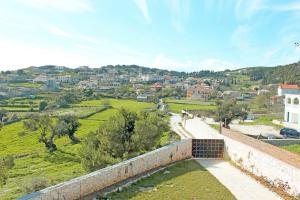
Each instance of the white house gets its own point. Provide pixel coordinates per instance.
(284, 89)
(292, 109)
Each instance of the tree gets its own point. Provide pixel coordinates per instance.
(49, 129)
(67, 125)
(124, 135)
(6, 163)
(93, 154)
(42, 105)
(263, 101)
(148, 131)
(3, 113)
(229, 110)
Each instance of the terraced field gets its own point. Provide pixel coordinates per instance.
(32, 160)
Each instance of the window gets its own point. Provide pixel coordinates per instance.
(289, 100)
(296, 101)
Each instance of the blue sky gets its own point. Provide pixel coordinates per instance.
(184, 35)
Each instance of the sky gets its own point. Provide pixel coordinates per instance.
(183, 35)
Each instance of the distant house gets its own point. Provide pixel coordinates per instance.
(231, 94)
(199, 91)
(292, 109)
(156, 86)
(263, 92)
(144, 98)
(64, 79)
(40, 79)
(284, 89)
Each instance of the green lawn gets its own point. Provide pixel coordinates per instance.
(32, 160)
(295, 148)
(185, 180)
(178, 107)
(187, 101)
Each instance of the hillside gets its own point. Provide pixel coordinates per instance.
(283, 73)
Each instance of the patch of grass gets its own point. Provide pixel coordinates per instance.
(295, 148)
(183, 180)
(177, 108)
(26, 85)
(33, 160)
(215, 126)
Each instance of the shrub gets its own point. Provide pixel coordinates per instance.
(35, 184)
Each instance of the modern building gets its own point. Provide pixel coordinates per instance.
(292, 109)
(284, 89)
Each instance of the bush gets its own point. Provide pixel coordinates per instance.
(34, 184)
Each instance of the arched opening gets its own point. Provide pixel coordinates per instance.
(296, 101)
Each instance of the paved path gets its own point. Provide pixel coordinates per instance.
(200, 130)
(239, 184)
(174, 123)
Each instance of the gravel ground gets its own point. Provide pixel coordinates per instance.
(256, 130)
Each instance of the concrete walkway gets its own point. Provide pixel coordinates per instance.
(200, 130)
(239, 184)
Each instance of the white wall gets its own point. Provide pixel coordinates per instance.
(262, 164)
(84, 185)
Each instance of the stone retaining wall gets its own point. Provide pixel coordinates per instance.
(281, 142)
(84, 185)
(276, 165)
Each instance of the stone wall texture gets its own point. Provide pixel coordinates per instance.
(95, 181)
(281, 142)
(278, 166)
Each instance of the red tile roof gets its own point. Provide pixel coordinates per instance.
(288, 86)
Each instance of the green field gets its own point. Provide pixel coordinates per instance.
(32, 160)
(295, 148)
(184, 180)
(177, 108)
(26, 85)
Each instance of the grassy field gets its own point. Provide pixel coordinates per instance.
(177, 108)
(32, 160)
(177, 105)
(184, 180)
(295, 148)
(26, 85)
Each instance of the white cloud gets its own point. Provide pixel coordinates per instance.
(292, 6)
(62, 5)
(284, 52)
(20, 54)
(217, 64)
(245, 9)
(180, 10)
(143, 7)
(164, 62)
(55, 30)
(241, 38)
